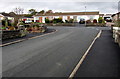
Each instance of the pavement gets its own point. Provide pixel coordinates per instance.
(103, 60)
(53, 55)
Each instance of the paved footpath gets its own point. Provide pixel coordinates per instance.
(103, 60)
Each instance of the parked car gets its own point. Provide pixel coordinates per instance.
(82, 21)
(28, 21)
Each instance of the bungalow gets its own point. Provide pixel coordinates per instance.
(116, 16)
(1, 16)
(9, 16)
(76, 16)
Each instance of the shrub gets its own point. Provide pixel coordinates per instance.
(21, 23)
(57, 20)
(47, 20)
(69, 21)
(94, 21)
(66, 21)
(101, 20)
(3, 22)
(6, 22)
(54, 21)
(88, 21)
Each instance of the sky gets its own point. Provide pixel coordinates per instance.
(106, 7)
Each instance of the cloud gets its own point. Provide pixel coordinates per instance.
(103, 7)
(60, 0)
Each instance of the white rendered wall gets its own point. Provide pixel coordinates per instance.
(75, 17)
(64, 18)
(55, 16)
(43, 19)
(50, 17)
(71, 17)
(87, 17)
(36, 18)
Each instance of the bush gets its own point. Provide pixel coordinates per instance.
(88, 21)
(47, 20)
(66, 21)
(6, 22)
(21, 23)
(101, 20)
(3, 22)
(57, 20)
(36, 25)
(94, 21)
(69, 21)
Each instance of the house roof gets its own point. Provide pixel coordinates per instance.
(115, 14)
(101, 14)
(8, 14)
(118, 13)
(12, 14)
(1, 15)
(27, 17)
(69, 13)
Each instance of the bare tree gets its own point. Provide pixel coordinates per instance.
(18, 14)
(18, 10)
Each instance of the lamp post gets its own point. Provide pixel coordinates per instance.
(85, 15)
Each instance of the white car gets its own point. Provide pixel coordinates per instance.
(28, 21)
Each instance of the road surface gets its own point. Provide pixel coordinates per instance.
(53, 55)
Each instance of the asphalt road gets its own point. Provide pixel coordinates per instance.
(53, 55)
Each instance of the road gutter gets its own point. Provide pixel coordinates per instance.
(84, 56)
(6, 44)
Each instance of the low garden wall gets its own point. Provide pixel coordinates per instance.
(116, 34)
(10, 34)
(96, 24)
(23, 31)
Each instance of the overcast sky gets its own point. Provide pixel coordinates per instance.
(103, 6)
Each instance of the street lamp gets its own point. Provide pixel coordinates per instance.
(85, 15)
(85, 12)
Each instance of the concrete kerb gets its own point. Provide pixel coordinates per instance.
(84, 56)
(6, 44)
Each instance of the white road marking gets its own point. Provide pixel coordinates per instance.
(83, 57)
(26, 39)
